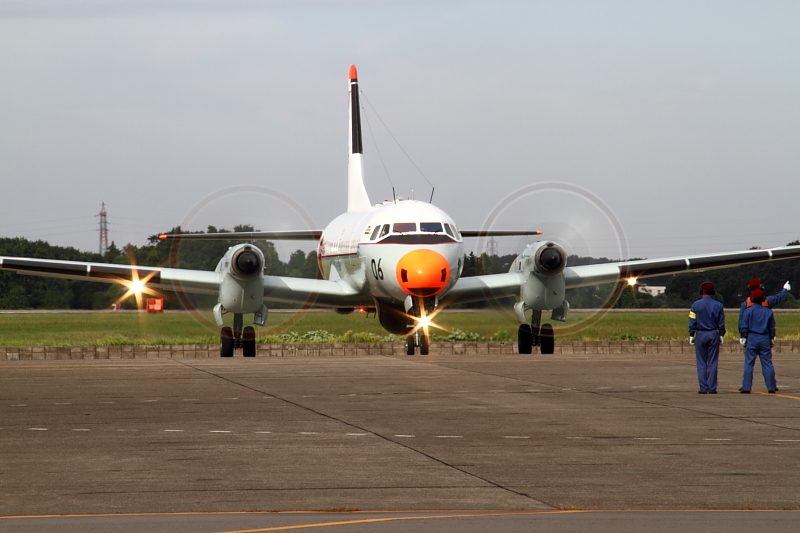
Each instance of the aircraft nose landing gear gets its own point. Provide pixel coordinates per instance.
(420, 309)
(417, 339)
(237, 337)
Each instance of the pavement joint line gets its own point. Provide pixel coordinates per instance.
(384, 437)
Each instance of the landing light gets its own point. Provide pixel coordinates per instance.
(632, 281)
(425, 322)
(135, 287)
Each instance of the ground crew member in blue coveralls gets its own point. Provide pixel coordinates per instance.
(769, 301)
(758, 330)
(706, 330)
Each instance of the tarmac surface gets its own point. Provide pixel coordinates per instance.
(530, 440)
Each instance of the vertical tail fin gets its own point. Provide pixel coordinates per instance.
(357, 198)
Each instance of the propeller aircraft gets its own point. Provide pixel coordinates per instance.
(402, 258)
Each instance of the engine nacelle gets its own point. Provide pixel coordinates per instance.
(542, 267)
(241, 288)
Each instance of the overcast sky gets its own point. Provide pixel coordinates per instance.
(668, 127)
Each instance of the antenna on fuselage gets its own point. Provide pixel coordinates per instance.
(433, 189)
(394, 196)
(399, 146)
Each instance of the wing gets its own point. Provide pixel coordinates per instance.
(498, 233)
(492, 286)
(482, 288)
(582, 276)
(192, 281)
(276, 288)
(296, 235)
(315, 234)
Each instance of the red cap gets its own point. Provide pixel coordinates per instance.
(757, 296)
(707, 287)
(753, 284)
(353, 73)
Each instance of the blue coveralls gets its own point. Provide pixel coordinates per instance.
(758, 327)
(771, 301)
(707, 325)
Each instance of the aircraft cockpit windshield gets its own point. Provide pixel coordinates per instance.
(431, 227)
(404, 227)
(414, 233)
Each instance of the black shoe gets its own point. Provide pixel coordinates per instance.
(771, 391)
(744, 391)
(701, 392)
(712, 391)
(776, 389)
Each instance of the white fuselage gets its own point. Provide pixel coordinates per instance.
(393, 250)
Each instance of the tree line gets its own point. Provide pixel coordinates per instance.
(33, 292)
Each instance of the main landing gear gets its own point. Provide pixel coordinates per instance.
(237, 337)
(532, 335)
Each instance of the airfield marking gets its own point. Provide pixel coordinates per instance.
(309, 433)
(776, 394)
(393, 519)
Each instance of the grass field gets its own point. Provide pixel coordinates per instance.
(114, 328)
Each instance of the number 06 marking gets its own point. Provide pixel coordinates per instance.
(376, 269)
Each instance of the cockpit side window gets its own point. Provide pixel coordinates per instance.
(375, 233)
(404, 227)
(430, 227)
(449, 230)
(385, 230)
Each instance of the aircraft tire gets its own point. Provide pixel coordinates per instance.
(424, 344)
(548, 339)
(226, 342)
(410, 346)
(524, 339)
(249, 342)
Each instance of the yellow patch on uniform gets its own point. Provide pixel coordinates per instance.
(692, 315)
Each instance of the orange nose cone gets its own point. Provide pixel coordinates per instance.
(423, 272)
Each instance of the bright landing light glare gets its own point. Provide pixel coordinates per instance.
(135, 287)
